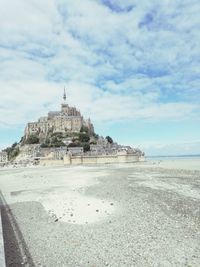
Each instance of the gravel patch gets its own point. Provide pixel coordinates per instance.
(143, 216)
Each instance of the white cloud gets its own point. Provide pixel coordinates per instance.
(21, 102)
(121, 60)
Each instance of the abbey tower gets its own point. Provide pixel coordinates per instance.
(69, 119)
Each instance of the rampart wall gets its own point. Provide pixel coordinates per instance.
(88, 160)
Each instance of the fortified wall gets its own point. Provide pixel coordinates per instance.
(69, 160)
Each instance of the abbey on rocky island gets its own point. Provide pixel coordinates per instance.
(65, 137)
(69, 119)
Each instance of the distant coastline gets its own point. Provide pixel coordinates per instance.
(174, 156)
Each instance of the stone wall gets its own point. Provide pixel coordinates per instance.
(87, 160)
(105, 159)
(51, 162)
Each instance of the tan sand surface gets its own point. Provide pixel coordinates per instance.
(183, 163)
(62, 198)
(115, 215)
(172, 163)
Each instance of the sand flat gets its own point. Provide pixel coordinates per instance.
(114, 215)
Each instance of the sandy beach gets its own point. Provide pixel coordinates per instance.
(145, 214)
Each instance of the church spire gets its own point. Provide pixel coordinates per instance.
(64, 95)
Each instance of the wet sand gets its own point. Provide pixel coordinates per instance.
(115, 215)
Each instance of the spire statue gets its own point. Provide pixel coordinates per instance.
(64, 95)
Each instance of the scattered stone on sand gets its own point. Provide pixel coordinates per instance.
(154, 219)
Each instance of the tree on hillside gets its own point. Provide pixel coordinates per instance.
(84, 129)
(12, 151)
(96, 136)
(14, 145)
(58, 143)
(86, 147)
(32, 139)
(77, 144)
(84, 137)
(22, 140)
(109, 139)
(57, 134)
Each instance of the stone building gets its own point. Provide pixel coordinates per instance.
(59, 153)
(3, 157)
(69, 119)
(75, 150)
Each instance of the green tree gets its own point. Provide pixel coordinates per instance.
(59, 143)
(109, 139)
(32, 139)
(96, 136)
(57, 134)
(44, 145)
(84, 129)
(74, 144)
(14, 145)
(22, 140)
(86, 147)
(12, 151)
(93, 143)
(84, 137)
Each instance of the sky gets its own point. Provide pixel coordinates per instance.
(132, 66)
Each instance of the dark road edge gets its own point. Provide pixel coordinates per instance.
(2, 252)
(15, 248)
